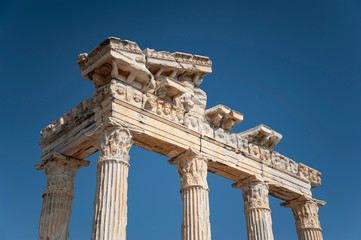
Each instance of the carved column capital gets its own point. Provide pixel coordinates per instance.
(254, 192)
(256, 207)
(192, 168)
(305, 212)
(114, 143)
(60, 171)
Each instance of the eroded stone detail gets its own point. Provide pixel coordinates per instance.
(68, 120)
(176, 98)
(278, 161)
(254, 191)
(115, 143)
(223, 117)
(305, 212)
(60, 171)
(117, 59)
(262, 136)
(149, 88)
(110, 202)
(182, 67)
(192, 168)
(57, 199)
(256, 207)
(311, 174)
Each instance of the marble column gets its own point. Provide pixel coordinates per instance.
(192, 168)
(256, 208)
(110, 202)
(305, 212)
(58, 197)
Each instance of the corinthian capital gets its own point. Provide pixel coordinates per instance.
(192, 168)
(60, 171)
(305, 212)
(254, 192)
(115, 143)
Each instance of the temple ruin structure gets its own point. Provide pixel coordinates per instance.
(152, 99)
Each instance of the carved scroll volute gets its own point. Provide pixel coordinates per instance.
(115, 143)
(60, 172)
(192, 168)
(254, 191)
(305, 212)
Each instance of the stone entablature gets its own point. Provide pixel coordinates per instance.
(152, 100)
(117, 59)
(256, 143)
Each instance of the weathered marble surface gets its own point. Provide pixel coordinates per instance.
(192, 168)
(155, 97)
(305, 212)
(256, 207)
(170, 126)
(58, 197)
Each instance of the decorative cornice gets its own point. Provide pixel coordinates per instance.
(221, 116)
(262, 136)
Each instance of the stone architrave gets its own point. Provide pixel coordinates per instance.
(305, 212)
(192, 168)
(58, 197)
(256, 207)
(153, 97)
(110, 202)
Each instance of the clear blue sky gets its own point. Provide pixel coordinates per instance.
(292, 65)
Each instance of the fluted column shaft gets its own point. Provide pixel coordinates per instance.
(58, 197)
(305, 212)
(110, 202)
(256, 208)
(192, 168)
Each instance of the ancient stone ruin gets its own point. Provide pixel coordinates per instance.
(152, 100)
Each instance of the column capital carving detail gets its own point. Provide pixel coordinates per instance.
(305, 212)
(115, 142)
(60, 171)
(192, 168)
(254, 191)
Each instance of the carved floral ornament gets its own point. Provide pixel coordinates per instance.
(174, 96)
(254, 191)
(115, 142)
(188, 110)
(192, 168)
(60, 171)
(305, 212)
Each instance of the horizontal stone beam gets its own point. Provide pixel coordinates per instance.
(164, 132)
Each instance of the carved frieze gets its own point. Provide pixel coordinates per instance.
(165, 84)
(242, 144)
(194, 102)
(311, 174)
(192, 168)
(165, 109)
